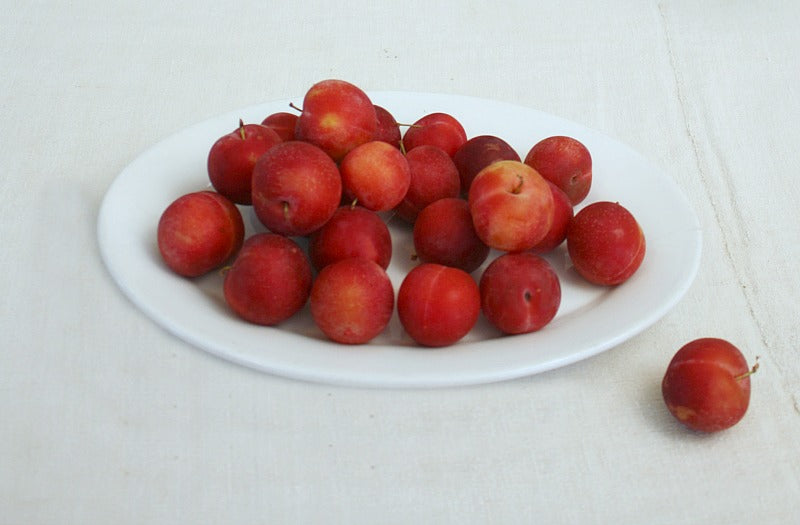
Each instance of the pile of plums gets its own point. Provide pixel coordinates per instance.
(328, 171)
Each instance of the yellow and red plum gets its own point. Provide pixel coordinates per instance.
(707, 385)
(336, 116)
(198, 232)
(511, 206)
(376, 175)
(352, 300)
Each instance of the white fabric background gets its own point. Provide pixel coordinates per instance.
(106, 418)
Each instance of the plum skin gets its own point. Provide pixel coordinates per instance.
(438, 305)
(477, 153)
(434, 176)
(511, 206)
(283, 123)
(352, 231)
(388, 129)
(566, 162)
(707, 385)
(296, 188)
(443, 233)
(436, 129)
(520, 293)
(269, 281)
(376, 175)
(605, 243)
(352, 300)
(337, 116)
(198, 232)
(232, 157)
(562, 216)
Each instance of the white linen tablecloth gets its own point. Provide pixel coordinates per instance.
(107, 418)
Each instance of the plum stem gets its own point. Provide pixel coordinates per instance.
(286, 211)
(241, 128)
(291, 105)
(518, 187)
(749, 372)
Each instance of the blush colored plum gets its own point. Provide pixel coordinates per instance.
(562, 215)
(353, 231)
(444, 234)
(388, 129)
(477, 153)
(438, 305)
(605, 243)
(198, 232)
(269, 281)
(520, 293)
(337, 116)
(296, 188)
(232, 157)
(283, 123)
(436, 129)
(707, 385)
(511, 206)
(352, 300)
(433, 176)
(565, 162)
(376, 175)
